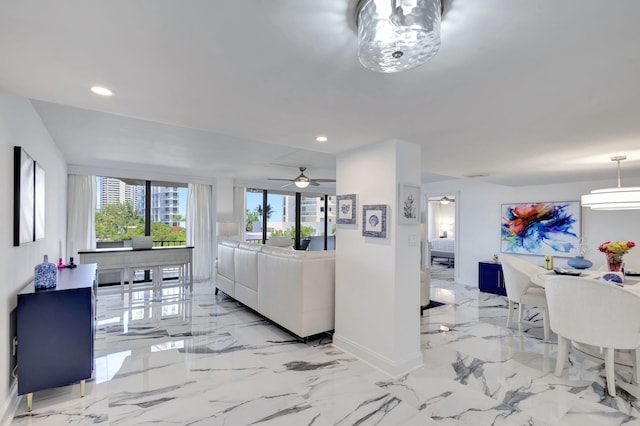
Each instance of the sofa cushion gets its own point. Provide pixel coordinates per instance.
(230, 243)
(225, 262)
(296, 290)
(321, 254)
(246, 266)
(278, 251)
(250, 246)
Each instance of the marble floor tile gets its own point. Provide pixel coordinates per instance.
(171, 357)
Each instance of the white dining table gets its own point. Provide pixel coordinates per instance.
(630, 284)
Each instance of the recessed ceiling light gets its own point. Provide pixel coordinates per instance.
(322, 139)
(102, 91)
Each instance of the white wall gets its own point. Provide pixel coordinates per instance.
(377, 279)
(478, 227)
(21, 126)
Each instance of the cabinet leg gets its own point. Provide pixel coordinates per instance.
(82, 383)
(29, 401)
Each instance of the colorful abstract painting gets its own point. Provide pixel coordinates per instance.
(541, 228)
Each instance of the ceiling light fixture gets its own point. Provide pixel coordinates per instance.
(302, 181)
(620, 198)
(446, 200)
(397, 35)
(102, 91)
(322, 139)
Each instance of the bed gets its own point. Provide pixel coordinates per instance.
(443, 249)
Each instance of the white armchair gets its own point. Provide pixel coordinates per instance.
(595, 313)
(520, 289)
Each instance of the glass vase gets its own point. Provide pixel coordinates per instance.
(614, 262)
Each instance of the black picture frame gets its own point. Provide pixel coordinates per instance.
(39, 211)
(24, 194)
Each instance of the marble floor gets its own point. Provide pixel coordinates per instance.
(180, 359)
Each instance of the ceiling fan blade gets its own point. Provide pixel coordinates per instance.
(287, 184)
(323, 180)
(313, 183)
(286, 180)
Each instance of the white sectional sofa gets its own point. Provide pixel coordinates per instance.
(294, 289)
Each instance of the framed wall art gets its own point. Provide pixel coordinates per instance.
(39, 202)
(23, 197)
(541, 228)
(409, 205)
(347, 209)
(28, 198)
(374, 220)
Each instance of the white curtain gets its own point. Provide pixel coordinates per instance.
(81, 214)
(200, 229)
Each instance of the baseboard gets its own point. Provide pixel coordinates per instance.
(390, 367)
(10, 406)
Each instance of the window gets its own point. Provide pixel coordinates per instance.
(281, 216)
(127, 208)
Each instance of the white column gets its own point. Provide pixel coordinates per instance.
(378, 279)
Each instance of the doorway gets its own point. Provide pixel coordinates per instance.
(441, 227)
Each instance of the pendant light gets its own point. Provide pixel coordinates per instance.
(619, 198)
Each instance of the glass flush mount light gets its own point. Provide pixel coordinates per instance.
(397, 35)
(619, 198)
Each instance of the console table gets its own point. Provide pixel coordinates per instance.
(127, 259)
(56, 330)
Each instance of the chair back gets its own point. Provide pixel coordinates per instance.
(593, 312)
(304, 243)
(517, 276)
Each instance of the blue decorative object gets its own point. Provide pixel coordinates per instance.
(45, 275)
(614, 277)
(347, 207)
(579, 262)
(374, 221)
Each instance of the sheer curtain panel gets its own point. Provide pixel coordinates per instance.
(81, 214)
(200, 229)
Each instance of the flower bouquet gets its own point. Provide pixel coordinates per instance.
(614, 251)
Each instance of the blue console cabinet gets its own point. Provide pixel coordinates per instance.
(490, 278)
(56, 330)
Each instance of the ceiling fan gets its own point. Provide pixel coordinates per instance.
(303, 181)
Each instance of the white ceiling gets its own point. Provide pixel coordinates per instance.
(528, 92)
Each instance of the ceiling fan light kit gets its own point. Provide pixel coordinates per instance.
(446, 200)
(619, 198)
(397, 35)
(303, 181)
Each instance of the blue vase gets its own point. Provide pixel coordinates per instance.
(579, 262)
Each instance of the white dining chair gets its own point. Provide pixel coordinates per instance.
(594, 312)
(517, 281)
